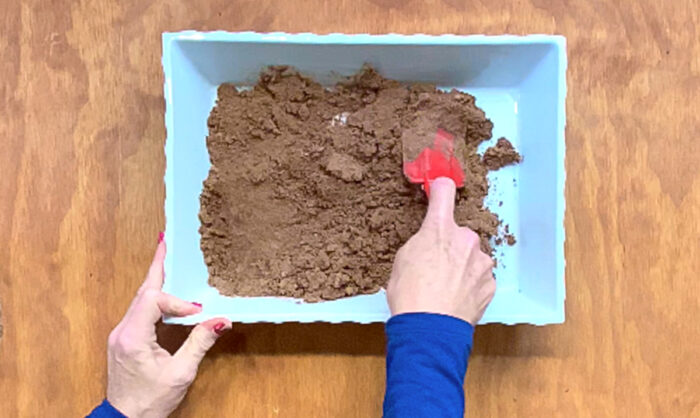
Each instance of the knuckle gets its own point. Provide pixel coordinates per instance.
(471, 237)
(202, 341)
(199, 341)
(112, 339)
(444, 219)
(487, 261)
(151, 294)
(489, 298)
(491, 287)
(125, 344)
(143, 289)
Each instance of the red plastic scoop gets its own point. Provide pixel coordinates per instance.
(436, 161)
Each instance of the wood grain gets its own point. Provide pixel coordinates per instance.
(81, 204)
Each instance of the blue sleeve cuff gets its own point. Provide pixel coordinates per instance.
(106, 410)
(426, 362)
(434, 324)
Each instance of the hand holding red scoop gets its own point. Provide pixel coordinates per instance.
(436, 161)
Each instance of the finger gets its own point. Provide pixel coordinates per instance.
(441, 206)
(154, 278)
(200, 340)
(152, 304)
(143, 312)
(174, 306)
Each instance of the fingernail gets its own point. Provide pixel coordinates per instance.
(197, 304)
(219, 328)
(161, 235)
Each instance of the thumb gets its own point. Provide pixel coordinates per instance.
(441, 206)
(200, 340)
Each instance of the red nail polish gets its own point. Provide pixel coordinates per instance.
(197, 304)
(219, 328)
(161, 235)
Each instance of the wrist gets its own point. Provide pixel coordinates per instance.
(430, 322)
(435, 310)
(123, 407)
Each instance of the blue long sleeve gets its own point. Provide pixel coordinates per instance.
(426, 363)
(105, 410)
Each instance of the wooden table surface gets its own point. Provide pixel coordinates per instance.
(81, 205)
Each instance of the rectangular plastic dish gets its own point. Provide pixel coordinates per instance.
(519, 81)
